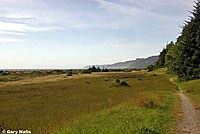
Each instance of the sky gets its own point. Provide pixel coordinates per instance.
(63, 34)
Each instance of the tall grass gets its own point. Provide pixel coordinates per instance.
(131, 117)
(45, 107)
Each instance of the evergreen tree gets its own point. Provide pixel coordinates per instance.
(161, 62)
(169, 59)
(186, 52)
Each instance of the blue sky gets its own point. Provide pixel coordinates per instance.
(75, 33)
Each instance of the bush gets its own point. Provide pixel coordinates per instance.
(118, 83)
(149, 104)
(5, 73)
(124, 83)
(150, 68)
(86, 72)
(69, 73)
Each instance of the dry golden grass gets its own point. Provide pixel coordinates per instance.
(48, 78)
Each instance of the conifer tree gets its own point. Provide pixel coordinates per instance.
(186, 55)
(161, 62)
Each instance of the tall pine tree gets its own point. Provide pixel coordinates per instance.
(186, 55)
(161, 62)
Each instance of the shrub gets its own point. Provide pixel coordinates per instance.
(149, 104)
(5, 73)
(124, 83)
(69, 73)
(85, 72)
(150, 68)
(117, 81)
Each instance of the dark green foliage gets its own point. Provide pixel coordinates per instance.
(94, 69)
(135, 69)
(118, 83)
(104, 70)
(55, 71)
(85, 72)
(148, 131)
(161, 62)
(184, 58)
(169, 59)
(124, 83)
(5, 73)
(116, 70)
(150, 68)
(69, 73)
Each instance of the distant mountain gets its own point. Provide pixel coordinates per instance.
(139, 63)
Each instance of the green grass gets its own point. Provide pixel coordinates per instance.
(131, 117)
(46, 107)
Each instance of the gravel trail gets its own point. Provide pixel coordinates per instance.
(190, 123)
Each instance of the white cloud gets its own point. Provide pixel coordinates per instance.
(5, 26)
(170, 10)
(13, 33)
(18, 16)
(10, 40)
(110, 6)
(8, 26)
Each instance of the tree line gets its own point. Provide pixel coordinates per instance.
(183, 57)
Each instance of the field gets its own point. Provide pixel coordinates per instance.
(89, 103)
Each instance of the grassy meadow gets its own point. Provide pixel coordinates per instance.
(90, 103)
(138, 115)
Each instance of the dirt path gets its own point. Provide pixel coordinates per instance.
(190, 123)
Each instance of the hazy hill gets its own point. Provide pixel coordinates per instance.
(139, 63)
